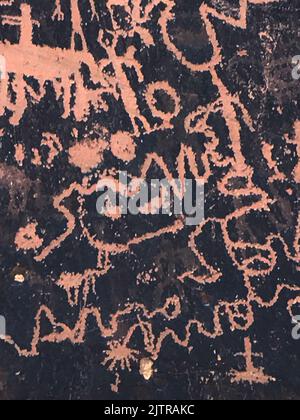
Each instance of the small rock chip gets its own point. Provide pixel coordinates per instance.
(19, 278)
(146, 368)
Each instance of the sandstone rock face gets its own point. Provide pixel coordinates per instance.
(149, 218)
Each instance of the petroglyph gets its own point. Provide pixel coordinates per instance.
(88, 87)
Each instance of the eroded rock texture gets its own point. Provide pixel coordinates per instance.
(147, 306)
